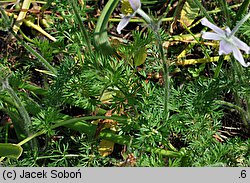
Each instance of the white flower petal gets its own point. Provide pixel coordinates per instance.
(238, 56)
(123, 23)
(135, 4)
(241, 45)
(211, 36)
(225, 47)
(227, 31)
(216, 29)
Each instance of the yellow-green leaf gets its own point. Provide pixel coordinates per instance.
(140, 56)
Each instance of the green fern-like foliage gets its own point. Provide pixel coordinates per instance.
(245, 29)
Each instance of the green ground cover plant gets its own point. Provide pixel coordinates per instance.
(124, 83)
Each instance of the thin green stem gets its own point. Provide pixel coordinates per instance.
(21, 109)
(27, 47)
(237, 68)
(165, 76)
(31, 137)
(236, 107)
(242, 10)
(82, 29)
(71, 121)
(224, 7)
(26, 37)
(203, 10)
(218, 68)
(248, 111)
(235, 29)
(106, 134)
(238, 72)
(196, 39)
(165, 65)
(37, 55)
(88, 128)
(87, 118)
(21, 125)
(60, 156)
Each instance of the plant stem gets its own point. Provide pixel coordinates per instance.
(218, 68)
(242, 10)
(236, 107)
(237, 76)
(37, 55)
(165, 65)
(21, 125)
(165, 76)
(21, 109)
(88, 128)
(30, 49)
(82, 29)
(235, 29)
(224, 7)
(203, 10)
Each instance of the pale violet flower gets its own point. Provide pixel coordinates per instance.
(228, 42)
(129, 9)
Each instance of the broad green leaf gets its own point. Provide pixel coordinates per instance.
(140, 56)
(100, 35)
(10, 150)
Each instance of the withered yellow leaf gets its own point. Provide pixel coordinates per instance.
(106, 147)
(189, 12)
